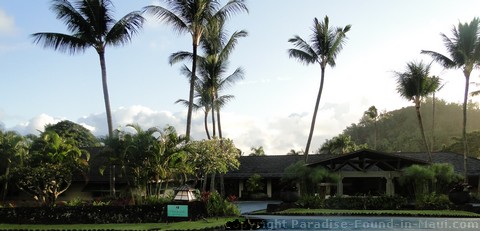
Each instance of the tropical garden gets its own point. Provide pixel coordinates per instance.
(151, 161)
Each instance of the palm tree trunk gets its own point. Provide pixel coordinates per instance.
(317, 103)
(420, 123)
(5, 184)
(464, 126)
(192, 88)
(218, 119)
(212, 183)
(205, 121)
(214, 123)
(433, 122)
(105, 93)
(106, 98)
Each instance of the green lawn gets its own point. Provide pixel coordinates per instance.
(211, 222)
(337, 212)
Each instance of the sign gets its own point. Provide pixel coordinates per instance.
(177, 210)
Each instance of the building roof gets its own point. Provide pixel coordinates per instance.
(273, 166)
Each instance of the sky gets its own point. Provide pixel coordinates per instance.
(273, 104)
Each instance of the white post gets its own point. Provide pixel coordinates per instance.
(269, 188)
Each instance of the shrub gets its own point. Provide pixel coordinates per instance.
(217, 206)
(366, 202)
(254, 183)
(433, 201)
(310, 202)
(77, 201)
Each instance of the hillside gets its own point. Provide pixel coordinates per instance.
(399, 131)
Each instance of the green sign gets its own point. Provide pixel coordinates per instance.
(177, 210)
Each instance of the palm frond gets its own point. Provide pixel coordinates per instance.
(440, 58)
(164, 15)
(179, 57)
(232, 7)
(123, 31)
(60, 42)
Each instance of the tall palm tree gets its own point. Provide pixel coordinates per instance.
(464, 51)
(415, 84)
(192, 16)
(213, 65)
(91, 24)
(326, 44)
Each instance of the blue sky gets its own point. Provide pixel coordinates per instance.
(273, 104)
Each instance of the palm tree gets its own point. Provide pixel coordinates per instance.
(192, 16)
(464, 51)
(326, 44)
(91, 25)
(212, 69)
(257, 151)
(372, 115)
(415, 84)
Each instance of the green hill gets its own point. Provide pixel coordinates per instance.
(399, 131)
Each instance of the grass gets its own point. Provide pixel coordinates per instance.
(340, 212)
(186, 225)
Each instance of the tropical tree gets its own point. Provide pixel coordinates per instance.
(372, 115)
(326, 44)
(91, 24)
(50, 168)
(415, 84)
(340, 144)
(293, 152)
(77, 132)
(192, 16)
(13, 150)
(464, 53)
(257, 151)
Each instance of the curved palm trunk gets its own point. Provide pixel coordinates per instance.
(214, 123)
(314, 118)
(205, 122)
(218, 120)
(464, 126)
(106, 98)
(420, 123)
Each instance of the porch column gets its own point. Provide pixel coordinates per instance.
(389, 187)
(269, 188)
(240, 188)
(340, 187)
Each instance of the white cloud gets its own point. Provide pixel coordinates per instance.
(277, 135)
(36, 124)
(7, 24)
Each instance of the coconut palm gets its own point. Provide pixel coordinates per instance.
(464, 53)
(192, 16)
(213, 66)
(372, 115)
(326, 44)
(91, 24)
(415, 84)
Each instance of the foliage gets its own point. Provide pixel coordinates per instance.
(77, 201)
(340, 144)
(433, 201)
(254, 183)
(49, 170)
(366, 202)
(257, 151)
(394, 128)
(434, 178)
(70, 130)
(91, 24)
(310, 202)
(217, 206)
(308, 177)
(13, 152)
